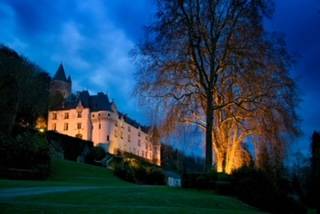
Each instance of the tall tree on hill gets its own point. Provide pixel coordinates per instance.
(196, 63)
(23, 90)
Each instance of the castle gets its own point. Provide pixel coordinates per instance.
(96, 118)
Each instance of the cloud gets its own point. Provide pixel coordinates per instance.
(85, 35)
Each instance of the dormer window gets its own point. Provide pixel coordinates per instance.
(79, 114)
(66, 115)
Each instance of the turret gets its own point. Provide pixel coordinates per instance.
(60, 84)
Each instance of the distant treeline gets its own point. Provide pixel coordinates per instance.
(174, 160)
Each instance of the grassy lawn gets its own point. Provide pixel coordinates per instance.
(80, 188)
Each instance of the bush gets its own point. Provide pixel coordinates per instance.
(210, 181)
(155, 175)
(132, 170)
(259, 189)
(24, 156)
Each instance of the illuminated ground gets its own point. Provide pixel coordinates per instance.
(80, 188)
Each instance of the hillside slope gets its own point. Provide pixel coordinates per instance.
(75, 188)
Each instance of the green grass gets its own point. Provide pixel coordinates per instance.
(103, 193)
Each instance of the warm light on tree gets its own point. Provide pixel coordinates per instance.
(212, 64)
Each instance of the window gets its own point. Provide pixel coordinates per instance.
(79, 125)
(92, 115)
(121, 134)
(66, 115)
(65, 127)
(139, 134)
(116, 124)
(108, 114)
(129, 138)
(139, 142)
(108, 138)
(79, 115)
(129, 129)
(146, 146)
(115, 133)
(99, 125)
(54, 116)
(54, 126)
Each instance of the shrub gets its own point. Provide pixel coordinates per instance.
(259, 189)
(155, 176)
(24, 156)
(209, 181)
(132, 170)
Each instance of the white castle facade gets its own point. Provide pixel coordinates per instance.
(95, 118)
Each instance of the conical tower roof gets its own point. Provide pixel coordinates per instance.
(60, 74)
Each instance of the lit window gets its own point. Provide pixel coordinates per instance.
(65, 127)
(54, 116)
(79, 125)
(66, 115)
(79, 115)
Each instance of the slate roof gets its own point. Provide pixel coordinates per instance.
(99, 102)
(61, 75)
(133, 122)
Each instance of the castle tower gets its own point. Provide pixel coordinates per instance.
(60, 84)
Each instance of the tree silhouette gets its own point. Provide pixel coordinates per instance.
(206, 62)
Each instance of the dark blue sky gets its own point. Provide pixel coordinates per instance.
(93, 37)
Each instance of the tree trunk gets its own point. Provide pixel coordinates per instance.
(208, 146)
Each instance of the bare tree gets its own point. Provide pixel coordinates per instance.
(196, 60)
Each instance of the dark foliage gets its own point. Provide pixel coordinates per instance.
(136, 171)
(314, 185)
(259, 189)
(174, 160)
(218, 182)
(24, 91)
(24, 156)
(73, 148)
